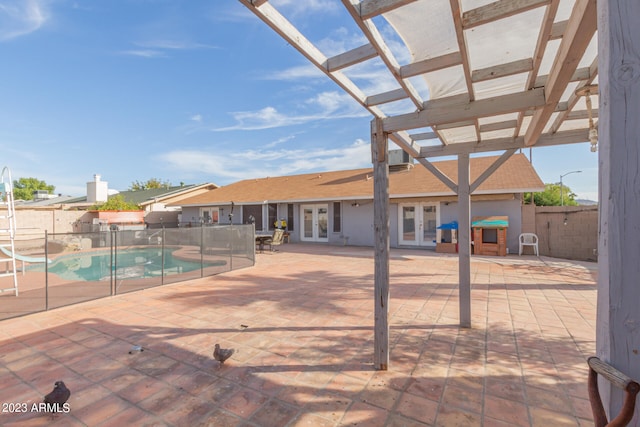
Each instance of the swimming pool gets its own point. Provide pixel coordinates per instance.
(132, 263)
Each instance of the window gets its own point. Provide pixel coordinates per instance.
(290, 217)
(252, 213)
(489, 235)
(337, 217)
(273, 215)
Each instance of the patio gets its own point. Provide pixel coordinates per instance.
(302, 323)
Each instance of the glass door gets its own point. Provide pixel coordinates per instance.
(429, 225)
(418, 225)
(408, 225)
(315, 223)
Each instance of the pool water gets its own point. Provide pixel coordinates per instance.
(135, 263)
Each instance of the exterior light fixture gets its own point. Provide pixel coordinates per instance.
(587, 91)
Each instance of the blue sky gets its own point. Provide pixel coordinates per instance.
(186, 91)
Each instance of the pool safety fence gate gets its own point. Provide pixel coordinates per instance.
(56, 270)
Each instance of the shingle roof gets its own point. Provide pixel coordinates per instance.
(516, 175)
(141, 196)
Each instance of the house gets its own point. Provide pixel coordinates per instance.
(337, 207)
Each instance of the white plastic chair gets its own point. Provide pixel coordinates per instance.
(528, 239)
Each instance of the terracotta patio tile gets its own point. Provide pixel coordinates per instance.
(274, 413)
(417, 408)
(360, 413)
(244, 403)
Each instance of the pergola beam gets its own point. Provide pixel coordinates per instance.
(499, 144)
(436, 113)
(383, 98)
(430, 65)
(352, 57)
(498, 10)
(578, 35)
(376, 40)
(502, 70)
(371, 8)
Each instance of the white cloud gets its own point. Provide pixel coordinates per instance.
(324, 106)
(159, 48)
(307, 7)
(196, 118)
(302, 72)
(237, 165)
(166, 44)
(19, 18)
(144, 53)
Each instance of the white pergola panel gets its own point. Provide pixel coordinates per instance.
(505, 40)
(433, 51)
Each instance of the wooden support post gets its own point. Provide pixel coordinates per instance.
(618, 319)
(464, 241)
(379, 148)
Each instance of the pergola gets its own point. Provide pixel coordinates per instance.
(470, 76)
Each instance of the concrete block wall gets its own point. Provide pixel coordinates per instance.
(569, 232)
(37, 221)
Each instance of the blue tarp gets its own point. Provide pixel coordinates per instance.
(453, 225)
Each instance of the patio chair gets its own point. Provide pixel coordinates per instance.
(275, 240)
(618, 379)
(528, 239)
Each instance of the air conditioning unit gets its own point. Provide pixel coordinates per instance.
(398, 157)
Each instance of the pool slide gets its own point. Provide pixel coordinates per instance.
(22, 258)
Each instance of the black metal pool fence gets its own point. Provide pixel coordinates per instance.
(85, 266)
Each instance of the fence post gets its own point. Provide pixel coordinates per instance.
(162, 254)
(46, 270)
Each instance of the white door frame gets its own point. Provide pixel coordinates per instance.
(317, 222)
(417, 239)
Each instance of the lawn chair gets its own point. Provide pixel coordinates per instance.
(620, 380)
(275, 240)
(528, 239)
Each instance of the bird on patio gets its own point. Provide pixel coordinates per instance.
(58, 396)
(222, 354)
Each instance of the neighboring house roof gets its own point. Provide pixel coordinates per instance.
(516, 175)
(49, 202)
(172, 194)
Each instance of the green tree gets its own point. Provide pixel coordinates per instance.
(115, 203)
(23, 188)
(149, 184)
(551, 196)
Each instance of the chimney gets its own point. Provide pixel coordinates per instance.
(97, 191)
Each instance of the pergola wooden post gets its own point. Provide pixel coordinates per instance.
(464, 241)
(380, 158)
(618, 320)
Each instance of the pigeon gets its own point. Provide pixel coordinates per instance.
(222, 354)
(59, 395)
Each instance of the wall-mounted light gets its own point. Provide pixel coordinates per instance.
(587, 91)
(565, 220)
(355, 204)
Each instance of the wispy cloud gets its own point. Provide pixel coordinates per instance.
(302, 72)
(324, 106)
(237, 165)
(161, 48)
(297, 7)
(144, 53)
(19, 18)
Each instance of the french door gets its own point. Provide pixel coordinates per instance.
(417, 224)
(315, 223)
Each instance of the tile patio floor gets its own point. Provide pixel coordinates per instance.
(305, 351)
